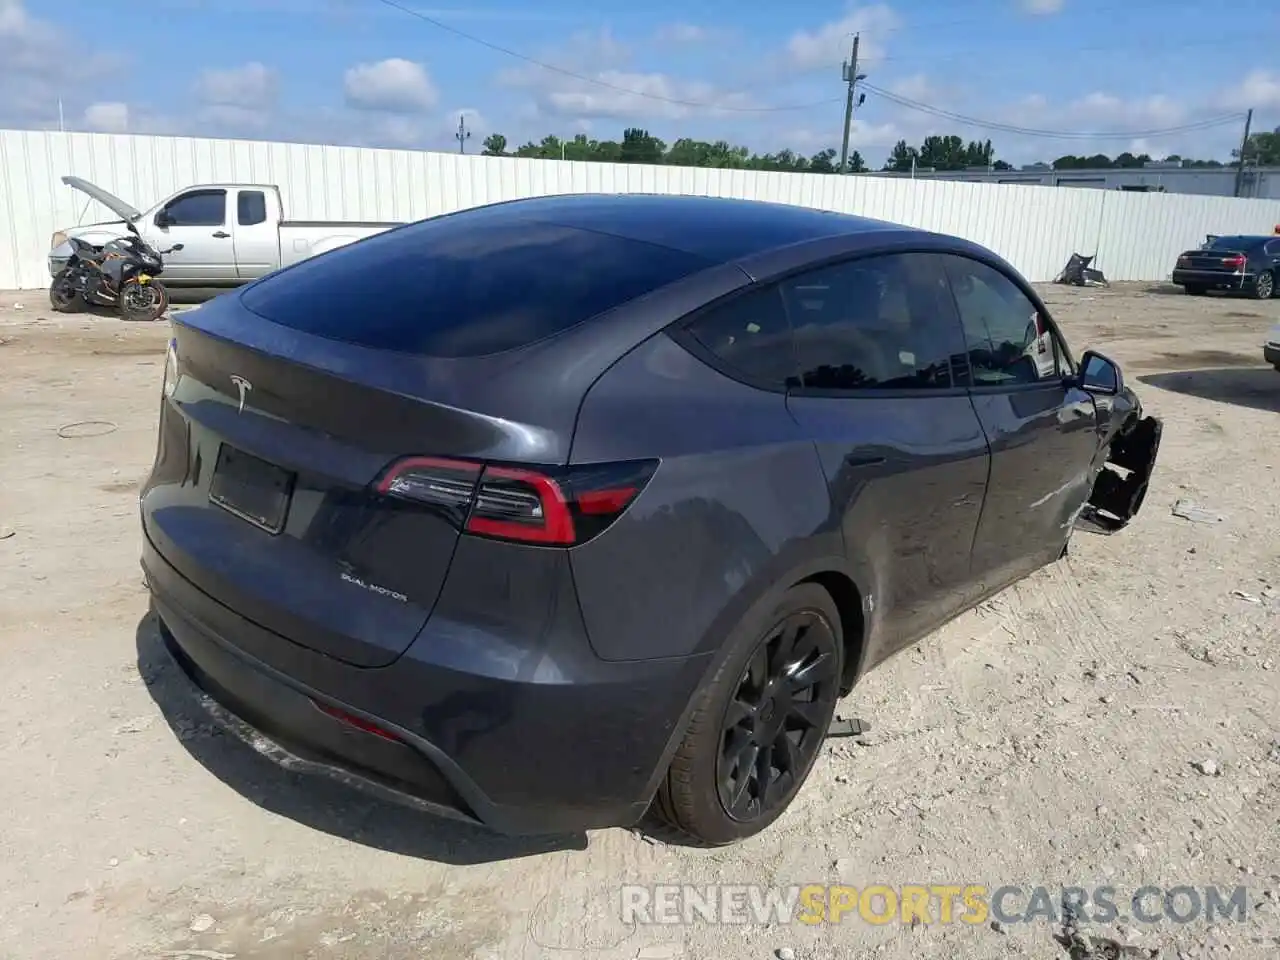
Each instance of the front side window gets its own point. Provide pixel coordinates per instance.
(882, 322)
(1009, 341)
(200, 208)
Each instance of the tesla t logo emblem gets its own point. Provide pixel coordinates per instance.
(242, 385)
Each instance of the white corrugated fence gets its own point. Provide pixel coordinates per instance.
(1135, 235)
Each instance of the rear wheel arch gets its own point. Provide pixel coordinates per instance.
(828, 572)
(848, 599)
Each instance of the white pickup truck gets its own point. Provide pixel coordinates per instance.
(230, 233)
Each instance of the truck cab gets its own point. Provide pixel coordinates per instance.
(230, 233)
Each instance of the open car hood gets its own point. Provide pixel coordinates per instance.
(110, 201)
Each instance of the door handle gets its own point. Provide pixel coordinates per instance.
(853, 460)
(221, 235)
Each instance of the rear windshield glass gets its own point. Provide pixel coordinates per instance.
(1230, 243)
(464, 285)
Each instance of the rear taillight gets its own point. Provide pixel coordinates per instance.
(550, 506)
(1236, 262)
(1184, 261)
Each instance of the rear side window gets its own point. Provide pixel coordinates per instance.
(465, 285)
(750, 336)
(875, 323)
(251, 208)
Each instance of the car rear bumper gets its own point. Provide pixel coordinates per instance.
(1212, 278)
(1271, 353)
(564, 748)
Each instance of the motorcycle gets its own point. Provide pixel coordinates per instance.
(122, 274)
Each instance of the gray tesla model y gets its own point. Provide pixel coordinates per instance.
(545, 512)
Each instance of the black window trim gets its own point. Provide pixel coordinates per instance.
(1025, 289)
(198, 191)
(679, 332)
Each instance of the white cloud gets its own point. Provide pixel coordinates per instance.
(610, 92)
(252, 85)
(1042, 8)
(641, 95)
(226, 119)
(829, 44)
(39, 64)
(682, 33)
(920, 88)
(1259, 90)
(390, 86)
(107, 117)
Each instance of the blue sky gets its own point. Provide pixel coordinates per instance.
(766, 75)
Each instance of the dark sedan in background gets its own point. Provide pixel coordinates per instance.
(542, 512)
(1243, 264)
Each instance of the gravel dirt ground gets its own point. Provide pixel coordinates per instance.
(1113, 720)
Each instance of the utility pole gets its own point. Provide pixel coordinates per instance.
(463, 134)
(851, 78)
(1244, 146)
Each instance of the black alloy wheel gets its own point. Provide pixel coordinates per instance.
(778, 717)
(756, 727)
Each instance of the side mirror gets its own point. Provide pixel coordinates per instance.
(1099, 374)
(162, 220)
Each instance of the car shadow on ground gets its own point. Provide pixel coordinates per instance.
(1255, 387)
(314, 800)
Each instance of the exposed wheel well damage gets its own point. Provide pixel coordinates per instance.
(848, 600)
(1121, 485)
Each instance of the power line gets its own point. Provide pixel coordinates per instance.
(596, 80)
(884, 94)
(916, 105)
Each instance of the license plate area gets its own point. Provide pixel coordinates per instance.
(252, 489)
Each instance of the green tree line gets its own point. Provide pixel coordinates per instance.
(939, 152)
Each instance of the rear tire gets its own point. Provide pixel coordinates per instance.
(742, 717)
(1264, 286)
(63, 297)
(1194, 290)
